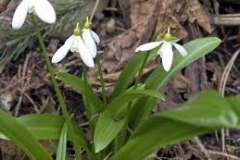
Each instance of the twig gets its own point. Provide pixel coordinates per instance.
(222, 86)
(32, 101)
(202, 148)
(23, 86)
(94, 10)
(14, 84)
(223, 154)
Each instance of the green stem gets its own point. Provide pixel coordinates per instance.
(56, 88)
(141, 71)
(104, 94)
(87, 105)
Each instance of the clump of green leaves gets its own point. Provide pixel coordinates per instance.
(123, 128)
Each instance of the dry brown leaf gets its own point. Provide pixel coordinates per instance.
(196, 12)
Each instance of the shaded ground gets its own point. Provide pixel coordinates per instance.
(122, 25)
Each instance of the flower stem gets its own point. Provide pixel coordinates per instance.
(141, 71)
(88, 108)
(56, 88)
(104, 94)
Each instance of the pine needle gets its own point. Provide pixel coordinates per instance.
(15, 42)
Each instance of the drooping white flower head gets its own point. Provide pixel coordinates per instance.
(165, 50)
(90, 38)
(42, 8)
(74, 44)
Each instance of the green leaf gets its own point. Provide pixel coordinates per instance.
(62, 145)
(117, 105)
(174, 126)
(159, 78)
(235, 103)
(106, 130)
(129, 71)
(112, 120)
(78, 84)
(22, 137)
(79, 136)
(49, 126)
(43, 126)
(210, 109)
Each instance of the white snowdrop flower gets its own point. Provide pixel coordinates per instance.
(74, 44)
(90, 38)
(42, 8)
(165, 50)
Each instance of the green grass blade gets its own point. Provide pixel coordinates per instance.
(62, 145)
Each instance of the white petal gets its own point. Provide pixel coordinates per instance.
(85, 54)
(89, 42)
(62, 51)
(180, 49)
(70, 40)
(167, 55)
(148, 46)
(95, 36)
(20, 14)
(75, 44)
(45, 11)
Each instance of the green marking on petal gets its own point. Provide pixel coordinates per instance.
(31, 9)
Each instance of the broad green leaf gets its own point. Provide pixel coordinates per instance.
(159, 78)
(117, 105)
(112, 120)
(62, 145)
(171, 127)
(49, 126)
(235, 103)
(159, 132)
(22, 137)
(130, 70)
(78, 84)
(210, 109)
(106, 130)
(43, 126)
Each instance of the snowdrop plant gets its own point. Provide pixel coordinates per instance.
(76, 44)
(165, 49)
(42, 8)
(121, 125)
